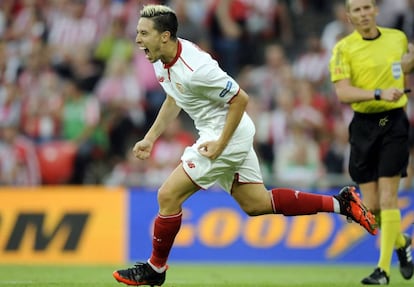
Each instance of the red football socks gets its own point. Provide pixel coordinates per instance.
(165, 230)
(292, 202)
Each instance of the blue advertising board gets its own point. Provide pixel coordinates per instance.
(215, 229)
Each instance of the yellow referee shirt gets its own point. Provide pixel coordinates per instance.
(371, 64)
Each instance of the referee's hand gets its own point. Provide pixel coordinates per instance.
(392, 95)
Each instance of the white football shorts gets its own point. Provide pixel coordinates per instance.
(238, 158)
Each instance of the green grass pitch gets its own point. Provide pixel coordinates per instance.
(197, 275)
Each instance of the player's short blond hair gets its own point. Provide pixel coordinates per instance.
(164, 18)
(152, 10)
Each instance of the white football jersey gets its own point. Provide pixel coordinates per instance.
(202, 89)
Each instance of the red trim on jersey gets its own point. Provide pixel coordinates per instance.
(187, 65)
(179, 50)
(229, 102)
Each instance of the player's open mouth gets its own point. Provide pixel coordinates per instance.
(146, 51)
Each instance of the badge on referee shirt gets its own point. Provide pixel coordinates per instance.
(396, 70)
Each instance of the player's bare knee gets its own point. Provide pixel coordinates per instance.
(166, 199)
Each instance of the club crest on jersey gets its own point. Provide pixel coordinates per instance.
(190, 164)
(396, 70)
(180, 87)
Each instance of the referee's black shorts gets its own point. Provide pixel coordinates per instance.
(379, 145)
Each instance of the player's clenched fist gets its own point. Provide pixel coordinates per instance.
(142, 149)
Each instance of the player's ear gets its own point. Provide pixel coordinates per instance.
(165, 36)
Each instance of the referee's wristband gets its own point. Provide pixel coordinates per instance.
(377, 94)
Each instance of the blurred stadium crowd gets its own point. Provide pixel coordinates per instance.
(76, 93)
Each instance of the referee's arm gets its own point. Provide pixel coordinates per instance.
(349, 94)
(407, 60)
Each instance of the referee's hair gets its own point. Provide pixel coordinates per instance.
(374, 2)
(163, 16)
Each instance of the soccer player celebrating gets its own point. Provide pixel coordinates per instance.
(367, 73)
(223, 153)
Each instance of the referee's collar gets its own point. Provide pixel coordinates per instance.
(376, 37)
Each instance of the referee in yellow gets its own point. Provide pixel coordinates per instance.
(367, 74)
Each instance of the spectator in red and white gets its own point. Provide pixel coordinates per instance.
(297, 161)
(29, 25)
(10, 104)
(41, 119)
(279, 119)
(226, 24)
(8, 164)
(101, 12)
(41, 91)
(311, 108)
(267, 79)
(190, 28)
(3, 19)
(71, 31)
(10, 61)
(267, 20)
(312, 63)
(122, 100)
(3, 62)
(21, 166)
(337, 28)
(33, 68)
(273, 129)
